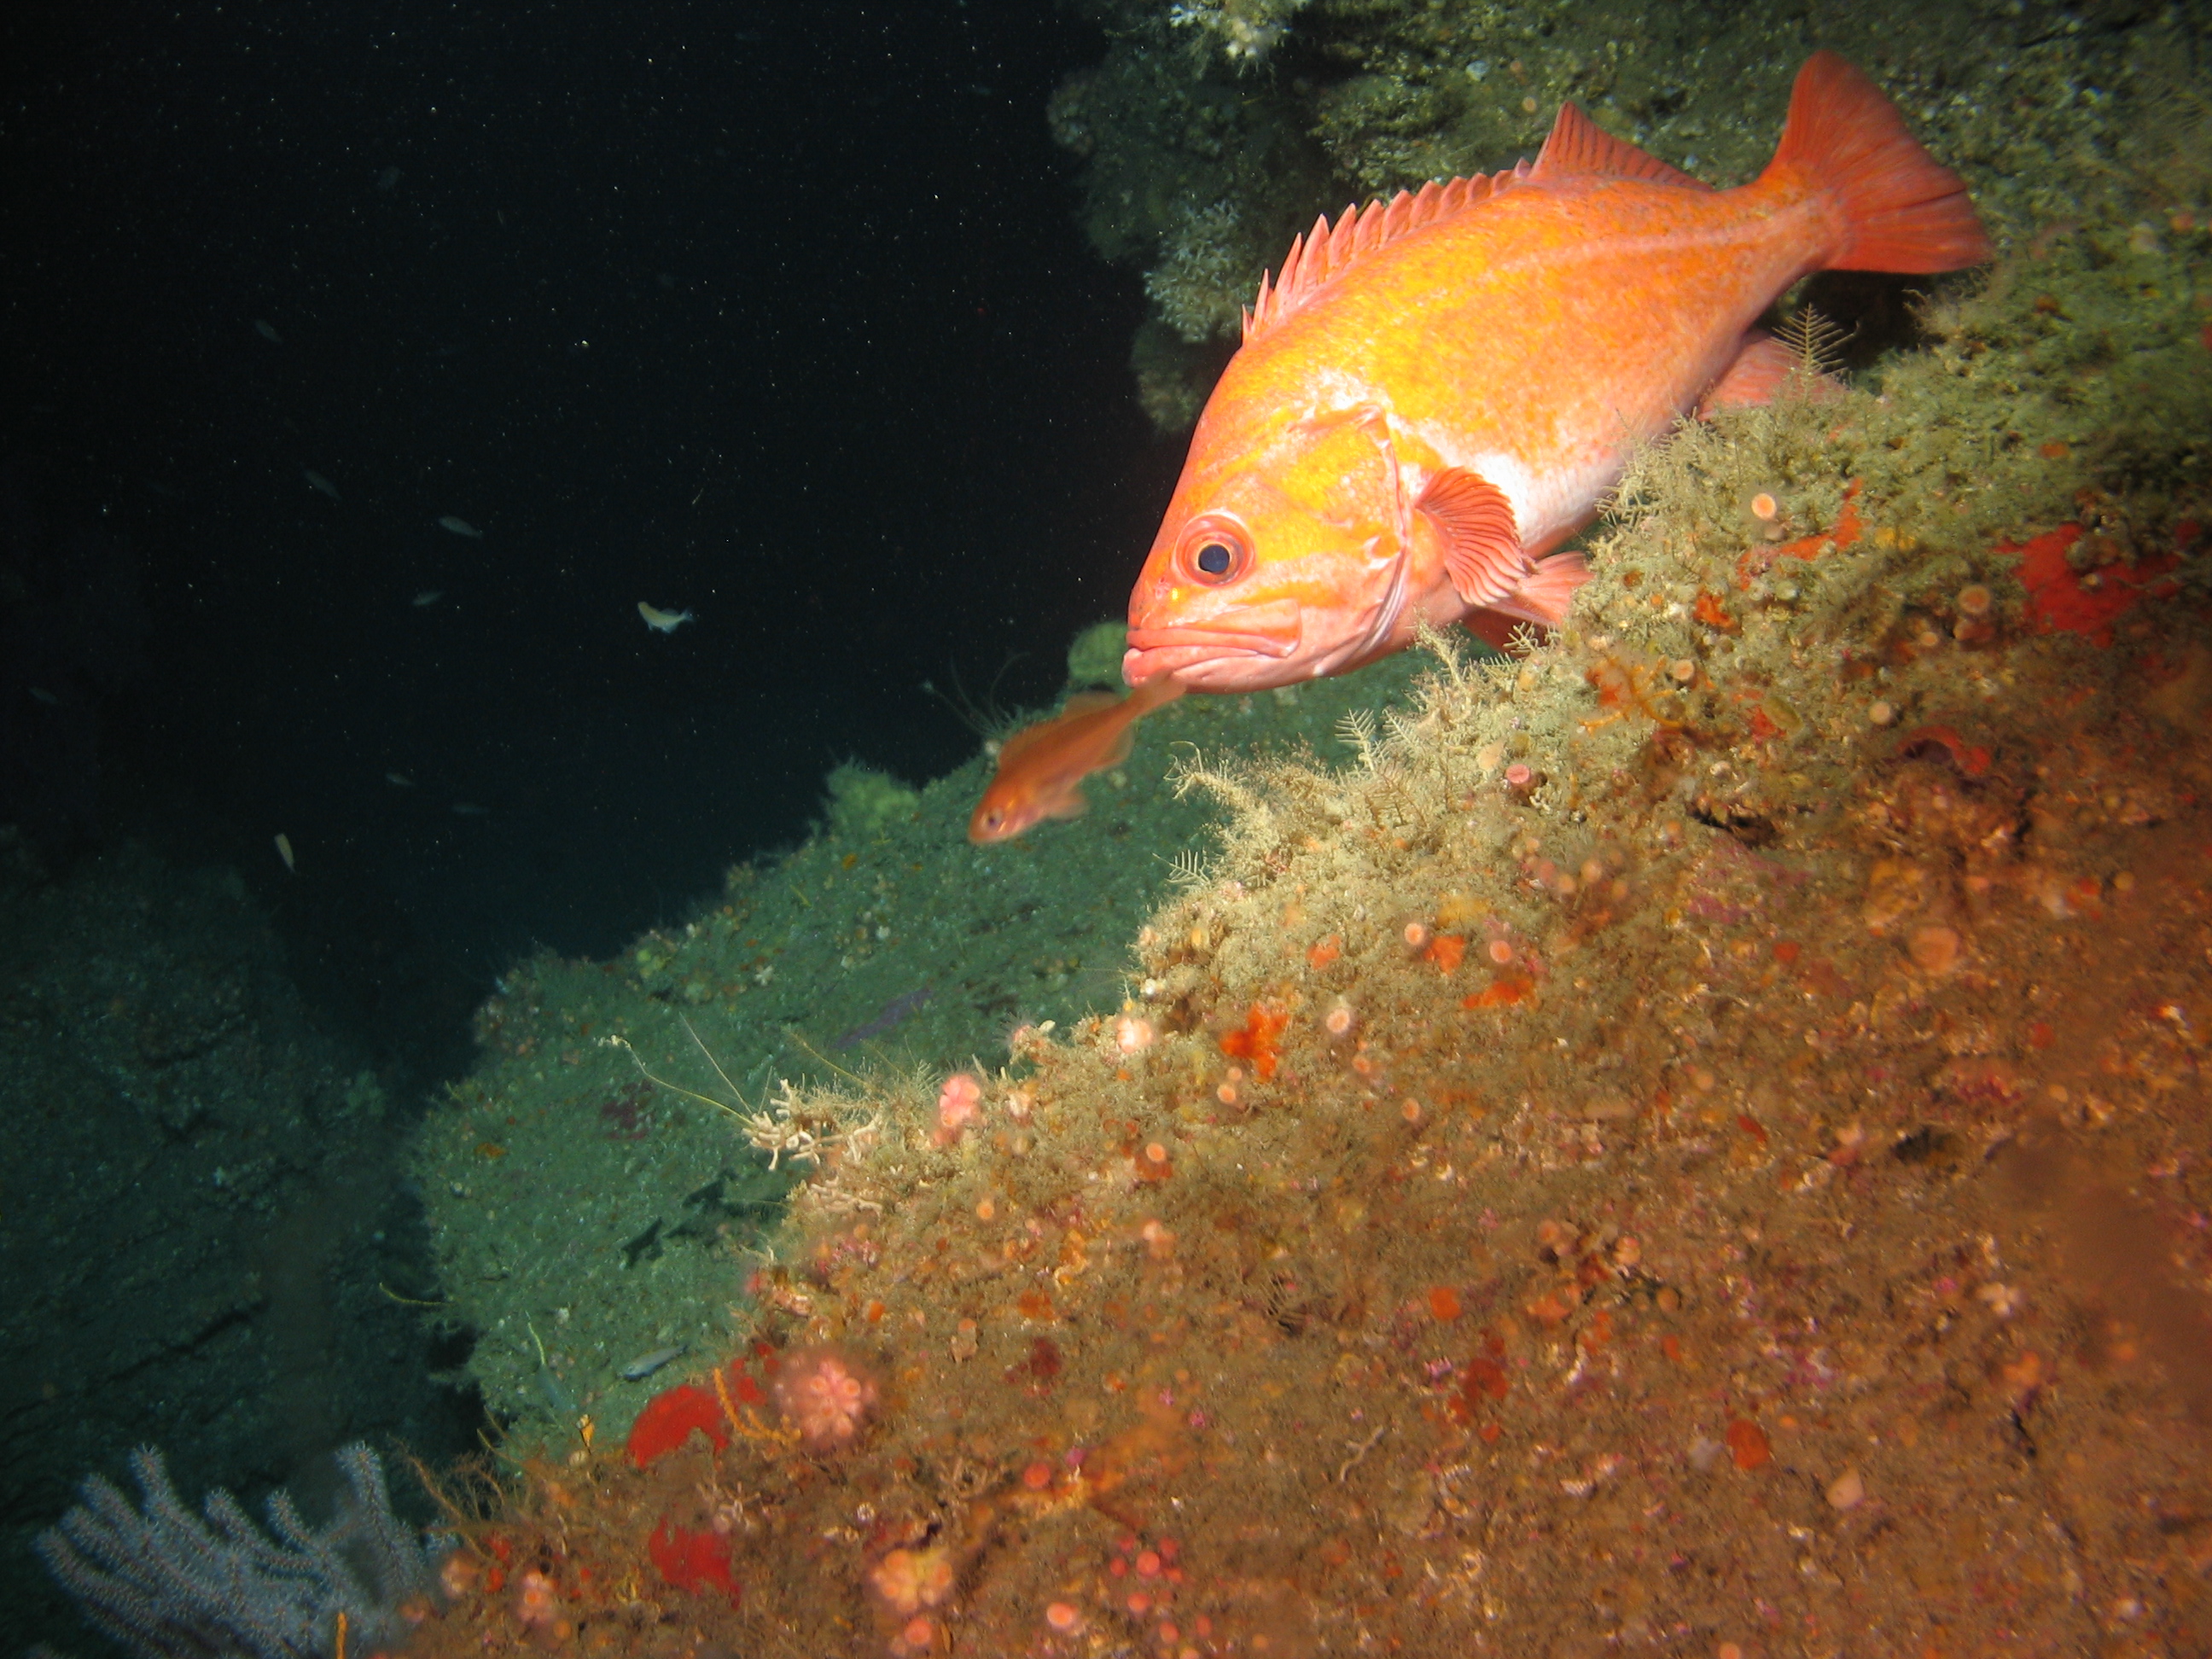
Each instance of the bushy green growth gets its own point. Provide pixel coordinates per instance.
(1174, 377)
(1206, 273)
(365, 1096)
(1095, 658)
(1197, 171)
(865, 802)
(1244, 32)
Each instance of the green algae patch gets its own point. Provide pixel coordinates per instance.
(1095, 658)
(596, 1201)
(865, 802)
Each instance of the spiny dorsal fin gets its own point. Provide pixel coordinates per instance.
(1082, 703)
(1578, 147)
(1090, 703)
(1324, 253)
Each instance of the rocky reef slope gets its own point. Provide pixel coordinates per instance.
(1693, 1139)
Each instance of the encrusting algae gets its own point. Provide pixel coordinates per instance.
(1695, 1140)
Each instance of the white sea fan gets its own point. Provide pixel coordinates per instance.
(167, 1584)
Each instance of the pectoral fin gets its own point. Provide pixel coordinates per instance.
(1069, 803)
(1482, 544)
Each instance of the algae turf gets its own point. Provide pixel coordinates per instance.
(1694, 1137)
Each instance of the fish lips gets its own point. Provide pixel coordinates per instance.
(1219, 659)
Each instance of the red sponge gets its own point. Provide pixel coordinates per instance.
(692, 1560)
(668, 1418)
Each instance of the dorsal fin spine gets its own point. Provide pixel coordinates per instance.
(1340, 239)
(1286, 278)
(1370, 228)
(1295, 264)
(1326, 251)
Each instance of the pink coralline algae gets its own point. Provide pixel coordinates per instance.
(959, 1103)
(1132, 1034)
(823, 1397)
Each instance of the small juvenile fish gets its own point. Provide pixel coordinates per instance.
(317, 481)
(1042, 767)
(893, 1012)
(399, 780)
(1436, 392)
(461, 527)
(469, 809)
(285, 852)
(429, 596)
(662, 621)
(646, 1364)
(267, 331)
(42, 695)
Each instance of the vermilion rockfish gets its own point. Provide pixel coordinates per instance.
(1435, 393)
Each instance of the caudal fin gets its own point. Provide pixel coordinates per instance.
(1899, 209)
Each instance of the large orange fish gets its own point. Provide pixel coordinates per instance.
(1042, 767)
(1436, 393)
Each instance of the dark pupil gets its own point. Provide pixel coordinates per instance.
(1214, 559)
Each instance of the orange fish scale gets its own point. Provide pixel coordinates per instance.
(1457, 319)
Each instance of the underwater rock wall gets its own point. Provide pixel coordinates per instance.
(1696, 1137)
(200, 1232)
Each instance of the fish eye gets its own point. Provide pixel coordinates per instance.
(1215, 551)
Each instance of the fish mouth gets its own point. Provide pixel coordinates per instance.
(1214, 658)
